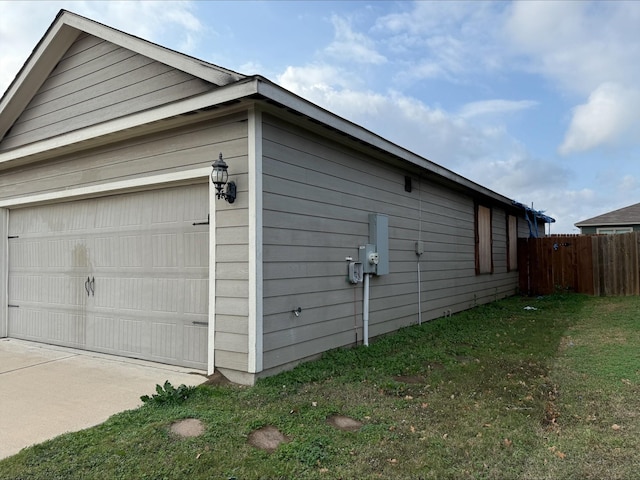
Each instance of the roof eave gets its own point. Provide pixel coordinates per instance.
(198, 68)
(74, 140)
(249, 87)
(290, 100)
(34, 72)
(606, 224)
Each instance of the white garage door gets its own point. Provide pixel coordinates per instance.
(125, 274)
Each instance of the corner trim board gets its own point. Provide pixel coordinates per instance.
(255, 326)
(4, 273)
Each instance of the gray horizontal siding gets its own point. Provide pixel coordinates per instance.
(232, 262)
(317, 196)
(185, 148)
(96, 81)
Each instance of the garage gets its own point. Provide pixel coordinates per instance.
(125, 274)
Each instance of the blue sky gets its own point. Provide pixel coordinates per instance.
(539, 101)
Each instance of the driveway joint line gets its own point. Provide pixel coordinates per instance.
(38, 364)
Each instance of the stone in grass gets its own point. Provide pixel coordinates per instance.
(189, 427)
(344, 423)
(267, 438)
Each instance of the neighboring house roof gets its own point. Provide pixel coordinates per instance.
(228, 87)
(623, 216)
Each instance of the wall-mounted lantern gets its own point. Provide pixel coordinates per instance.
(219, 178)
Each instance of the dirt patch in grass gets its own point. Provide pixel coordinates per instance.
(217, 379)
(189, 427)
(267, 438)
(342, 422)
(434, 366)
(410, 379)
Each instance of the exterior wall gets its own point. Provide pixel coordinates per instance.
(168, 151)
(317, 198)
(232, 267)
(97, 81)
(189, 147)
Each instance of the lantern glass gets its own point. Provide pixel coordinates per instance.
(219, 174)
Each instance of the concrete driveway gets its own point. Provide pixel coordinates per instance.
(46, 390)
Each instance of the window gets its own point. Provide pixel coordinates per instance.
(484, 254)
(512, 243)
(612, 230)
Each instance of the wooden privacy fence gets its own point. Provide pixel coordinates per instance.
(591, 264)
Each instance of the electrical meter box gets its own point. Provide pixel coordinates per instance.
(379, 236)
(368, 257)
(374, 256)
(355, 272)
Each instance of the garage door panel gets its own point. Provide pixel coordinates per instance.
(28, 288)
(163, 298)
(195, 342)
(164, 248)
(196, 294)
(29, 323)
(149, 269)
(65, 328)
(121, 251)
(116, 335)
(196, 248)
(165, 340)
(26, 254)
(121, 293)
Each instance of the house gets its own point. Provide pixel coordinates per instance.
(325, 235)
(623, 220)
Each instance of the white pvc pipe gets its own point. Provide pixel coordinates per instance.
(419, 302)
(365, 311)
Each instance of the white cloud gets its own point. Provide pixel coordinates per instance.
(22, 24)
(349, 46)
(586, 49)
(152, 20)
(443, 39)
(496, 106)
(628, 183)
(315, 82)
(580, 45)
(610, 115)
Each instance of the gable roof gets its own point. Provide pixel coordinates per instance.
(623, 216)
(231, 87)
(64, 30)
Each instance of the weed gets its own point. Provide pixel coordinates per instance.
(168, 394)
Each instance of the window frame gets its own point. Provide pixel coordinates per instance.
(613, 230)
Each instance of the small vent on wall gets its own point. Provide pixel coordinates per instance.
(407, 183)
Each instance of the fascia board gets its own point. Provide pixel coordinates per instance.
(607, 224)
(296, 103)
(39, 150)
(214, 74)
(35, 71)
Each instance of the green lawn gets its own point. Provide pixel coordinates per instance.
(495, 392)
